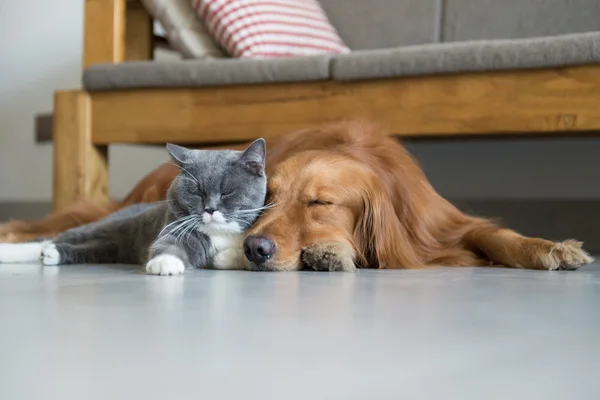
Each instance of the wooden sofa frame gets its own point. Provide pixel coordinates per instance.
(557, 100)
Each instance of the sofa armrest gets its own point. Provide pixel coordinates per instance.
(115, 31)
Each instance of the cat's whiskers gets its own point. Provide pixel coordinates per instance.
(178, 221)
(164, 201)
(187, 228)
(252, 210)
(193, 226)
(241, 222)
(187, 238)
(187, 179)
(183, 234)
(234, 216)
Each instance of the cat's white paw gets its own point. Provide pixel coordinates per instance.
(165, 264)
(50, 255)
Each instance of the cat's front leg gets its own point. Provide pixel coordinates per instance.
(167, 257)
(170, 256)
(165, 264)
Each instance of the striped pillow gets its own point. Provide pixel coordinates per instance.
(183, 29)
(270, 28)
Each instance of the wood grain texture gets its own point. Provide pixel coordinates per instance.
(80, 167)
(139, 37)
(550, 100)
(104, 32)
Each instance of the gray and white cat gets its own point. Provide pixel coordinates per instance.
(215, 198)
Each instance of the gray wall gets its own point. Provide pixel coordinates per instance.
(45, 55)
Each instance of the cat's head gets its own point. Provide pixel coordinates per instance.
(224, 190)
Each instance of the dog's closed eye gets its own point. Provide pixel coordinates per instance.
(319, 202)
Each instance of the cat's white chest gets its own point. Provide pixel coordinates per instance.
(227, 249)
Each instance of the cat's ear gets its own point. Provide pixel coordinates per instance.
(178, 154)
(253, 158)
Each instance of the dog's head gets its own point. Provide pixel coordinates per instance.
(324, 197)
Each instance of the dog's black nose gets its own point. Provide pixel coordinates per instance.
(258, 249)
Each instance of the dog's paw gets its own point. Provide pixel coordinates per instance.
(567, 255)
(165, 264)
(335, 256)
(50, 255)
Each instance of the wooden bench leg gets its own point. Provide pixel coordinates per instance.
(80, 167)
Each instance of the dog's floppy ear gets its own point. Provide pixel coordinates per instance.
(381, 240)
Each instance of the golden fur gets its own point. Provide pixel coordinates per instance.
(346, 195)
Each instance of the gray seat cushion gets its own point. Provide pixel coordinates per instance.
(513, 19)
(380, 24)
(199, 73)
(555, 51)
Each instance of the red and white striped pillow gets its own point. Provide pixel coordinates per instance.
(270, 28)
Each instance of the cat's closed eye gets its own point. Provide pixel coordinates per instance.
(227, 193)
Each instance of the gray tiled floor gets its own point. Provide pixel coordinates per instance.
(97, 332)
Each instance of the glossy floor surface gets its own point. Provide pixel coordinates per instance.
(97, 332)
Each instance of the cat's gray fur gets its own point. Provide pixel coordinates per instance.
(230, 182)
